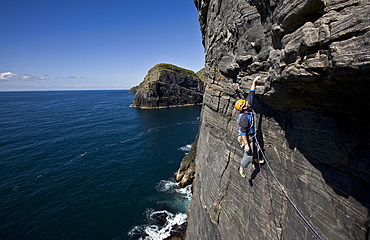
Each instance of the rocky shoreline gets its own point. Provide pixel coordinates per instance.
(171, 106)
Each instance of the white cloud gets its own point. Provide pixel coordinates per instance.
(9, 76)
(76, 77)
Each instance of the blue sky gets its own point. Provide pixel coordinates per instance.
(94, 44)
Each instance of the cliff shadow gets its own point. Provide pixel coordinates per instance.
(338, 146)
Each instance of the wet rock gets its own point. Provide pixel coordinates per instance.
(178, 232)
(186, 173)
(160, 218)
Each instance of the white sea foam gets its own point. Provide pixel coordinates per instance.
(171, 186)
(185, 148)
(156, 232)
(83, 154)
(162, 222)
(166, 186)
(186, 192)
(159, 228)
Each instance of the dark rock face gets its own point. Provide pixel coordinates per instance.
(186, 173)
(133, 89)
(311, 116)
(167, 85)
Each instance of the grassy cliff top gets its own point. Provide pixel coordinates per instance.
(172, 68)
(200, 74)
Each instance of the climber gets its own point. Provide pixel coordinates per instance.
(246, 127)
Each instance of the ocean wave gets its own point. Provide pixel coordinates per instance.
(173, 187)
(165, 222)
(185, 148)
(186, 192)
(162, 224)
(166, 186)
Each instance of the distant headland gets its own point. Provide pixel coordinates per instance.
(167, 85)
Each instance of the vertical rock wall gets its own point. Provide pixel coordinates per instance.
(311, 114)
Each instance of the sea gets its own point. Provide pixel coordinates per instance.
(86, 165)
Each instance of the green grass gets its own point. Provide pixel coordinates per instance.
(174, 69)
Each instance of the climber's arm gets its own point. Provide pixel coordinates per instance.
(253, 86)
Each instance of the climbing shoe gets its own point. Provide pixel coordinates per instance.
(241, 171)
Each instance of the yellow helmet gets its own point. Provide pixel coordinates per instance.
(240, 104)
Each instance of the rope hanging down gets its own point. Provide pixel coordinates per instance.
(264, 195)
(285, 193)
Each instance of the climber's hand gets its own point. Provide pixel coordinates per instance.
(257, 78)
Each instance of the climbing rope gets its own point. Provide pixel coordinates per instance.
(285, 193)
(264, 195)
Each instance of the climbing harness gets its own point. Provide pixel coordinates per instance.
(285, 193)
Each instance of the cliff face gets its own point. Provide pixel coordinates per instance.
(167, 85)
(311, 115)
(133, 89)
